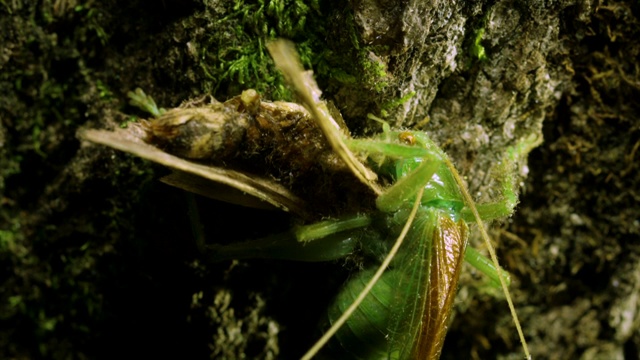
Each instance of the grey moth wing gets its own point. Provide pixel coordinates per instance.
(210, 181)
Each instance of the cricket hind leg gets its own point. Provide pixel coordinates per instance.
(483, 232)
(506, 176)
(487, 212)
(483, 264)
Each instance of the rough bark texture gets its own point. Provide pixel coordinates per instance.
(97, 257)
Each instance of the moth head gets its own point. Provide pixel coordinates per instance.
(201, 133)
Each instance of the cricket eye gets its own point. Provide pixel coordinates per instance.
(407, 138)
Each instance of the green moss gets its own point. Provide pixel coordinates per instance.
(48, 89)
(356, 64)
(144, 102)
(234, 56)
(476, 50)
(394, 103)
(374, 71)
(7, 240)
(103, 91)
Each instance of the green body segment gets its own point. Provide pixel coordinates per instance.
(392, 329)
(385, 325)
(365, 334)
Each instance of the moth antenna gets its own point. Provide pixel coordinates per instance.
(367, 289)
(485, 237)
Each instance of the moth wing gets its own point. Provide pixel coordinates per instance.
(214, 182)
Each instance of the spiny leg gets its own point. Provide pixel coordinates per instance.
(486, 266)
(509, 198)
(506, 176)
(500, 209)
(487, 212)
(325, 228)
(483, 232)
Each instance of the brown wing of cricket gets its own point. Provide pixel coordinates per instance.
(189, 175)
(447, 256)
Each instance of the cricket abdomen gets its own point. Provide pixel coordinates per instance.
(366, 334)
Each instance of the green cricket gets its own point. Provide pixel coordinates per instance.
(399, 308)
(426, 210)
